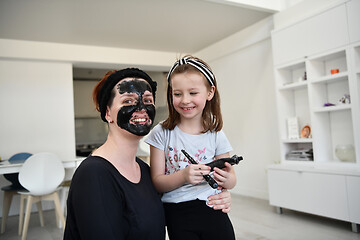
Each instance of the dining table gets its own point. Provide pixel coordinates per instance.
(14, 167)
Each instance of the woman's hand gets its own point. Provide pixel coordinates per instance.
(194, 173)
(221, 201)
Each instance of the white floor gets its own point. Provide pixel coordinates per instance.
(252, 219)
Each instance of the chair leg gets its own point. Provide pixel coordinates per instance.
(27, 217)
(6, 208)
(58, 222)
(58, 209)
(21, 213)
(63, 196)
(41, 215)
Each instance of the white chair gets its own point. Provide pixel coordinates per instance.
(11, 190)
(41, 175)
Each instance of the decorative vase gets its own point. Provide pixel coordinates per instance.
(345, 152)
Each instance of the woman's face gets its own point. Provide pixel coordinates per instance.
(133, 107)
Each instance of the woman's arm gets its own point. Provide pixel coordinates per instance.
(164, 183)
(221, 201)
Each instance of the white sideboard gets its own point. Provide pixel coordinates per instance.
(305, 53)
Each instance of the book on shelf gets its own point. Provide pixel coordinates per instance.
(300, 155)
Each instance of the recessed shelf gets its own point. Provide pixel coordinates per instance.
(292, 66)
(331, 78)
(333, 108)
(299, 161)
(294, 86)
(299, 140)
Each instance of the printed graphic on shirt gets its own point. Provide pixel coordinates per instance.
(177, 161)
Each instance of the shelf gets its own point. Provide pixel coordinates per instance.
(300, 140)
(330, 56)
(292, 66)
(349, 169)
(331, 78)
(333, 108)
(291, 76)
(320, 68)
(294, 86)
(299, 161)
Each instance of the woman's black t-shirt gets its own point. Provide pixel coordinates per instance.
(103, 204)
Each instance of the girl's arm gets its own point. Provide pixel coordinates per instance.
(225, 177)
(164, 183)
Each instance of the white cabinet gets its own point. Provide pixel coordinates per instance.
(312, 35)
(334, 194)
(318, 84)
(83, 104)
(353, 9)
(353, 194)
(304, 190)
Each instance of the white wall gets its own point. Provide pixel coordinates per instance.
(36, 109)
(245, 79)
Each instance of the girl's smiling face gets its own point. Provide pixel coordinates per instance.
(190, 91)
(133, 106)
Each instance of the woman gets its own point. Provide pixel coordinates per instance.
(111, 194)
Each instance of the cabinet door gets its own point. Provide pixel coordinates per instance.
(313, 35)
(83, 104)
(353, 8)
(353, 188)
(315, 193)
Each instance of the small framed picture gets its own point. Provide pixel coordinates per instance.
(293, 128)
(306, 132)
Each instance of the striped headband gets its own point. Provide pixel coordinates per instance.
(197, 64)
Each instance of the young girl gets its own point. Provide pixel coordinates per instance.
(194, 124)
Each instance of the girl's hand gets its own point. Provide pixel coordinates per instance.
(221, 201)
(194, 173)
(221, 176)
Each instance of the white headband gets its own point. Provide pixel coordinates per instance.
(197, 64)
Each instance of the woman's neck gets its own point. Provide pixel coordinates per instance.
(119, 148)
(120, 151)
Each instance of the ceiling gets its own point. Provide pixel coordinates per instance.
(182, 26)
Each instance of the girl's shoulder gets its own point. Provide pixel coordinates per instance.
(159, 127)
(215, 134)
(160, 130)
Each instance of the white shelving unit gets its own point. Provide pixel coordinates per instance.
(309, 91)
(293, 100)
(332, 125)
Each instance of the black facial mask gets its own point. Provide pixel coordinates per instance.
(126, 112)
